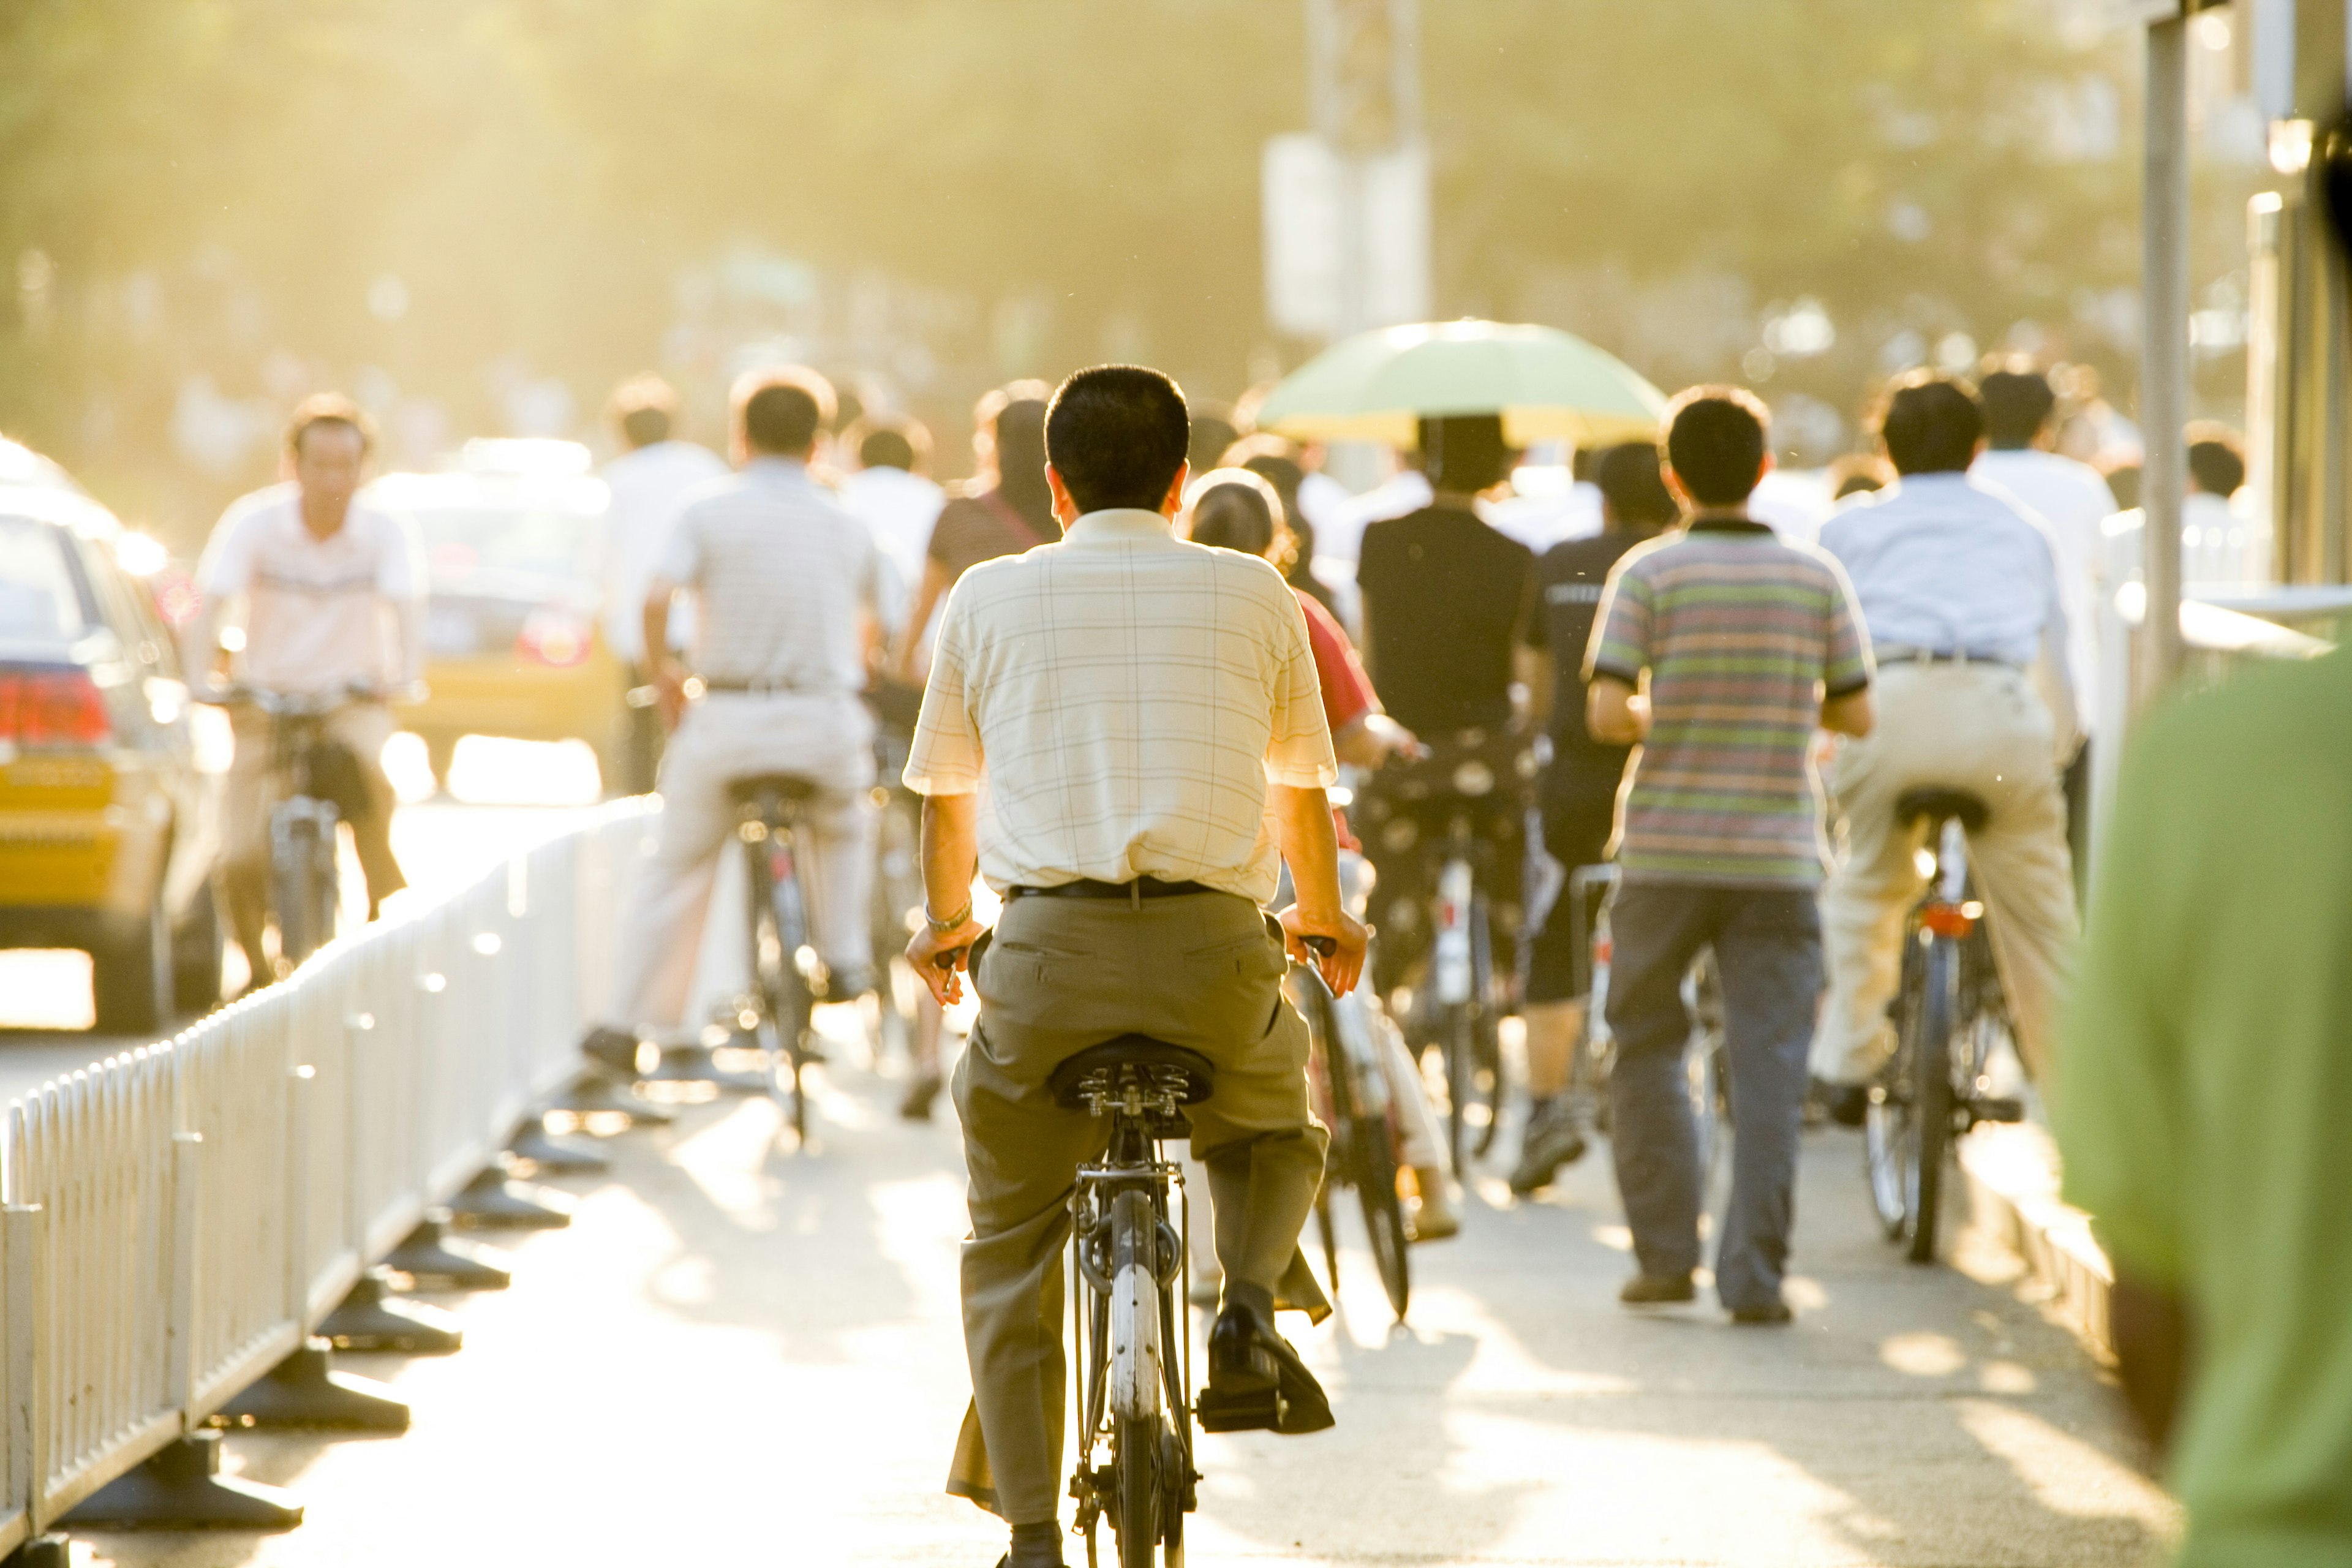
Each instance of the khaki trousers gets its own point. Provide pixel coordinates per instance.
(1980, 728)
(1058, 975)
(255, 788)
(724, 737)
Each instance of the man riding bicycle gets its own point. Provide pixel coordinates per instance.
(333, 591)
(1447, 600)
(1145, 717)
(784, 583)
(1960, 592)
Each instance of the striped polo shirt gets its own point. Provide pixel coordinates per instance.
(1743, 635)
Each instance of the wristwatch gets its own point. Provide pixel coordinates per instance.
(942, 927)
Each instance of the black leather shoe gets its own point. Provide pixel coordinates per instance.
(612, 1049)
(1763, 1314)
(1845, 1102)
(1256, 1381)
(1657, 1291)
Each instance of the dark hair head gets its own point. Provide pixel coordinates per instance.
(1632, 487)
(1233, 509)
(1465, 453)
(1715, 440)
(1859, 473)
(1117, 434)
(328, 408)
(1932, 425)
(2217, 461)
(889, 441)
(779, 412)
(1019, 434)
(2017, 405)
(2123, 483)
(644, 408)
(1213, 433)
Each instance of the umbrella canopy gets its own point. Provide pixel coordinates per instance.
(1546, 384)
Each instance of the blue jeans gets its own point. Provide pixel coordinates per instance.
(1768, 950)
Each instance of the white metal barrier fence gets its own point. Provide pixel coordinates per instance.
(179, 1217)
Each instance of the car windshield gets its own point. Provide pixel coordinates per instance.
(42, 600)
(523, 550)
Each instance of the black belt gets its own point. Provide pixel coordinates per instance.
(1942, 655)
(1087, 887)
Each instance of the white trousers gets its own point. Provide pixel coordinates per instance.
(724, 737)
(1979, 728)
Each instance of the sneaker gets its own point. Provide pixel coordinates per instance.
(614, 1050)
(1657, 1290)
(916, 1104)
(1434, 1217)
(1555, 1137)
(1846, 1103)
(1256, 1381)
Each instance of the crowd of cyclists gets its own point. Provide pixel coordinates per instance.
(1640, 690)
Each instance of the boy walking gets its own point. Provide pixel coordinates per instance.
(1748, 644)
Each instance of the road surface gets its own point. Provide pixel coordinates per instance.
(747, 1354)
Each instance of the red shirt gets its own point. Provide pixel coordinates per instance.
(1348, 693)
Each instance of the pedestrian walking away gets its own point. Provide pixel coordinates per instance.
(332, 593)
(1960, 592)
(645, 485)
(1578, 798)
(1122, 731)
(784, 582)
(1750, 644)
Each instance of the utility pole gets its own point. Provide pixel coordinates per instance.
(2164, 348)
(1364, 87)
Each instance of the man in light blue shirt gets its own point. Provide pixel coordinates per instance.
(1960, 588)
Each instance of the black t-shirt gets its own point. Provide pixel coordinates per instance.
(1569, 580)
(1445, 596)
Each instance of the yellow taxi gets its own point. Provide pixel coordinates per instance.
(110, 779)
(513, 547)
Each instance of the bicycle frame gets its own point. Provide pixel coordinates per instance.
(786, 973)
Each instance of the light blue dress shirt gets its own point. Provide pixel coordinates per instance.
(1941, 564)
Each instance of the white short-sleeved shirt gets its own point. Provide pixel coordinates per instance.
(646, 486)
(319, 613)
(2075, 502)
(780, 572)
(900, 507)
(1129, 697)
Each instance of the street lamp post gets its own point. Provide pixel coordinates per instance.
(2164, 350)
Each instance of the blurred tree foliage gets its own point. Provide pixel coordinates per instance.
(1063, 180)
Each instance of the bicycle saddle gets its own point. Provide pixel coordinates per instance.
(1937, 804)
(751, 788)
(1099, 1069)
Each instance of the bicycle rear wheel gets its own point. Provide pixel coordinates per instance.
(1931, 1097)
(1364, 1150)
(1486, 1002)
(1460, 1065)
(784, 1003)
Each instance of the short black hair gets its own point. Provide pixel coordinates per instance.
(1715, 440)
(1632, 484)
(2017, 405)
(1236, 509)
(2216, 459)
(1932, 425)
(779, 412)
(1465, 453)
(887, 441)
(1117, 434)
(1214, 434)
(646, 409)
(328, 408)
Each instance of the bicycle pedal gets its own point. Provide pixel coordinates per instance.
(1996, 1108)
(1254, 1410)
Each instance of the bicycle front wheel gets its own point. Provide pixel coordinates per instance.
(1374, 1174)
(1487, 1002)
(1136, 1383)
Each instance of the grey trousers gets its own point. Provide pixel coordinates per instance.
(1768, 950)
(1057, 975)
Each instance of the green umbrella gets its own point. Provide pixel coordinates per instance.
(1546, 384)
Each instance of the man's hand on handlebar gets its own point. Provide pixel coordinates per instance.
(1335, 947)
(941, 958)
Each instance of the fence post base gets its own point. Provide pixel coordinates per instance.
(372, 1318)
(183, 1489)
(305, 1391)
(595, 1093)
(697, 1064)
(431, 1255)
(496, 1201)
(554, 1156)
(41, 1552)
